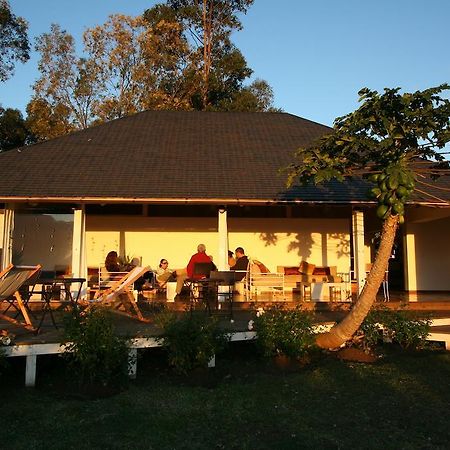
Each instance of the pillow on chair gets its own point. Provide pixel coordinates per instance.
(261, 266)
(291, 271)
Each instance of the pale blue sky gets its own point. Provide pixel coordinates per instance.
(316, 54)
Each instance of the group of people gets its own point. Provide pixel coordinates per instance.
(164, 274)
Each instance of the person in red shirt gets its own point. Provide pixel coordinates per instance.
(199, 257)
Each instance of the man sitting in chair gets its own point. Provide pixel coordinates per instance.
(199, 257)
(241, 263)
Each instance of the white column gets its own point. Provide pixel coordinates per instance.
(222, 263)
(7, 242)
(359, 261)
(409, 257)
(79, 267)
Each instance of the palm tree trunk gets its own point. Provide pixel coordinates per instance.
(344, 330)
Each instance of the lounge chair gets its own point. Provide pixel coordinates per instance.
(12, 280)
(257, 282)
(120, 297)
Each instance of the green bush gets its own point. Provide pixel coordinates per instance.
(95, 354)
(396, 326)
(285, 332)
(191, 340)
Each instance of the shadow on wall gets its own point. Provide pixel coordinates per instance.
(342, 244)
(302, 244)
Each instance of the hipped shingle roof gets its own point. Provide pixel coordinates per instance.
(172, 156)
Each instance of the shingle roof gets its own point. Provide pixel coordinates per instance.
(172, 156)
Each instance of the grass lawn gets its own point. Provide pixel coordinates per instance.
(400, 402)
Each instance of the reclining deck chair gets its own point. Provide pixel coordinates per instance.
(12, 280)
(120, 295)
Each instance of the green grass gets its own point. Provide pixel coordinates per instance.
(400, 402)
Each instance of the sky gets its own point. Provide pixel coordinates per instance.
(316, 55)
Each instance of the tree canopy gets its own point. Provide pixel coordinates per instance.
(14, 45)
(154, 61)
(14, 131)
(396, 141)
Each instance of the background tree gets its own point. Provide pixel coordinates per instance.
(14, 45)
(14, 131)
(220, 67)
(139, 67)
(131, 64)
(67, 91)
(395, 139)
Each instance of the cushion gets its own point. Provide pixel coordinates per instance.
(255, 268)
(324, 271)
(262, 267)
(306, 268)
(291, 271)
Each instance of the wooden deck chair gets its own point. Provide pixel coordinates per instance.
(120, 295)
(12, 279)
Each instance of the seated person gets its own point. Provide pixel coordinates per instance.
(112, 262)
(241, 263)
(199, 257)
(164, 274)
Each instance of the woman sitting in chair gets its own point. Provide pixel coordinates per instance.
(164, 274)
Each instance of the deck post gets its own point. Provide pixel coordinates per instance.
(212, 362)
(132, 363)
(30, 371)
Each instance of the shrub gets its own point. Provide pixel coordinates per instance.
(398, 326)
(98, 357)
(191, 340)
(285, 332)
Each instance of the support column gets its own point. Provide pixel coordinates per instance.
(79, 267)
(409, 258)
(222, 263)
(7, 241)
(359, 261)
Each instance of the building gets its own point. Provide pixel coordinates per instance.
(156, 184)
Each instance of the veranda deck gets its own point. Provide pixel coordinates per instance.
(144, 335)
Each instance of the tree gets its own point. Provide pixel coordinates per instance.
(393, 139)
(131, 64)
(128, 67)
(67, 92)
(14, 131)
(14, 45)
(219, 67)
(140, 67)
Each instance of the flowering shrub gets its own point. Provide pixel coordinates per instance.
(285, 332)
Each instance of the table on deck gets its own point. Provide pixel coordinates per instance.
(52, 288)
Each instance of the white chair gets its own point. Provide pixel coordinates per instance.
(257, 282)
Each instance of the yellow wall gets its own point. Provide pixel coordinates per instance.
(428, 255)
(273, 241)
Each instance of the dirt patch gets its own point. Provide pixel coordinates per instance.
(356, 355)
